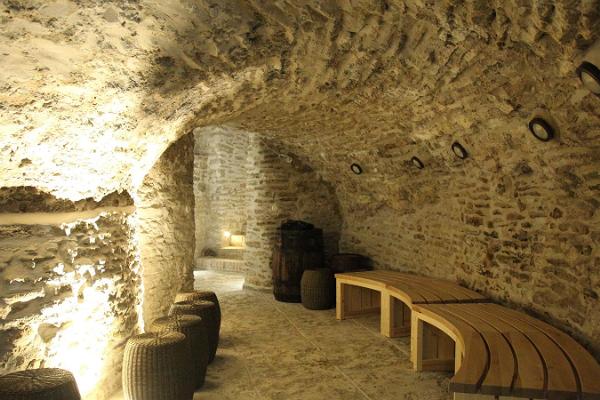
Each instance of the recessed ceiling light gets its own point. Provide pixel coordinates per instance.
(357, 169)
(590, 77)
(417, 163)
(459, 150)
(541, 129)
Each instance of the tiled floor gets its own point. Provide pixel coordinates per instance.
(271, 350)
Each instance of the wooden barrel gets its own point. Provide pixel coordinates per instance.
(298, 250)
(347, 262)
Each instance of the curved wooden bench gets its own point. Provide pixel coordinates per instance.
(502, 353)
(377, 291)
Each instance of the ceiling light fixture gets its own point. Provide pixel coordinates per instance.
(357, 169)
(590, 77)
(459, 150)
(541, 129)
(417, 163)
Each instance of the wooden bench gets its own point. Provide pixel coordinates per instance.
(503, 354)
(393, 294)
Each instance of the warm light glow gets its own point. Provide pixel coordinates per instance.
(238, 241)
(80, 345)
(85, 321)
(227, 234)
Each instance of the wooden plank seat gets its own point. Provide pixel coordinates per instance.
(504, 354)
(393, 294)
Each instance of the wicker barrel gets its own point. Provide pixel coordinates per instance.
(39, 384)
(156, 367)
(202, 295)
(196, 335)
(318, 289)
(348, 262)
(297, 251)
(207, 310)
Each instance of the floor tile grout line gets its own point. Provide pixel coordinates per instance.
(378, 334)
(346, 377)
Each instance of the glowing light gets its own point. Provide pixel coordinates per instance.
(86, 320)
(80, 345)
(227, 234)
(238, 240)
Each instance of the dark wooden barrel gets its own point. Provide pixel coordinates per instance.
(297, 250)
(348, 262)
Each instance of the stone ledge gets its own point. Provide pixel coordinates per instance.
(220, 264)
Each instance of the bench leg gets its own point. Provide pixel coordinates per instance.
(416, 341)
(340, 301)
(395, 317)
(431, 349)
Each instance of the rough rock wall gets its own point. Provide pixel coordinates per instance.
(520, 224)
(69, 287)
(247, 184)
(87, 84)
(165, 209)
(281, 187)
(220, 173)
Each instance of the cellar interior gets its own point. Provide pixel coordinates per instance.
(151, 148)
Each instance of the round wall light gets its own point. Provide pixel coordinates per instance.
(357, 169)
(541, 129)
(417, 162)
(459, 150)
(590, 77)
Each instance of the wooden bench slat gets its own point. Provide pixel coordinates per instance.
(463, 293)
(432, 292)
(530, 371)
(378, 283)
(501, 372)
(561, 378)
(474, 365)
(428, 294)
(457, 292)
(447, 291)
(422, 289)
(584, 367)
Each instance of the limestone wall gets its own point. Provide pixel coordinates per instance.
(520, 225)
(220, 166)
(165, 208)
(245, 183)
(69, 286)
(281, 187)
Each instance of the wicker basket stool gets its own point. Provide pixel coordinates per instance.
(317, 289)
(196, 335)
(202, 295)
(156, 367)
(207, 310)
(39, 384)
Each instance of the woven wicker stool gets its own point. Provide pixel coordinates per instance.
(39, 384)
(201, 295)
(207, 310)
(156, 367)
(196, 335)
(317, 289)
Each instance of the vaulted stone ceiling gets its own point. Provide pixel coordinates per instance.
(93, 91)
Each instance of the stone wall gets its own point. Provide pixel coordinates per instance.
(165, 208)
(518, 223)
(247, 184)
(69, 286)
(282, 187)
(220, 172)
